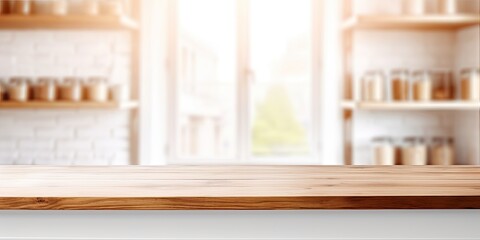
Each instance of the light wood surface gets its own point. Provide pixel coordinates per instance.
(67, 105)
(432, 105)
(239, 187)
(411, 22)
(65, 22)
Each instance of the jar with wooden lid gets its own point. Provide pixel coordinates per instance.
(443, 86)
(96, 89)
(119, 92)
(400, 85)
(374, 86)
(18, 89)
(422, 85)
(3, 90)
(50, 7)
(70, 89)
(4, 7)
(20, 7)
(383, 151)
(83, 7)
(442, 151)
(414, 7)
(470, 84)
(112, 8)
(414, 151)
(448, 7)
(46, 89)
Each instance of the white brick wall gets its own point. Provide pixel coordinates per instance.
(64, 137)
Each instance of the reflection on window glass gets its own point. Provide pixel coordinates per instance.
(281, 62)
(206, 120)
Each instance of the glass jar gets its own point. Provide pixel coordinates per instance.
(20, 7)
(422, 85)
(4, 7)
(374, 87)
(119, 93)
(414, 7)
(442, 151)
(70, 89)
(46, 89)
(470, 84)
(18, 89)
(50, 7)
(383, 151)
(448, 6)
(414, 151)
(83, 7)
(400, 84)
(59, 7)
(96, 89)
(112, 8)
(443, 85)
(3, 90)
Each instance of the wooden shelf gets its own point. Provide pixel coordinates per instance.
(66, 22)
(411, 22)
(436, 105)
(68, 105)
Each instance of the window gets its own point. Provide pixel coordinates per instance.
(242, 82)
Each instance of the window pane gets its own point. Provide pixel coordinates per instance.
(206, 121)
(281, 62)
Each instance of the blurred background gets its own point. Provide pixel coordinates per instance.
(153, 82)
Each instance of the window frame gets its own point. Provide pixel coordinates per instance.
(244, 76)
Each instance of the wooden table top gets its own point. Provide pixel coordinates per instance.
(239, 187)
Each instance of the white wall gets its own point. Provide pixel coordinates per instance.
(65, 136)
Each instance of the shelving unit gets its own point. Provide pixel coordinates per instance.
(437, 105)
(66, 22)
(68, 105)
(129, 23)
(411, 22)
(355, 111)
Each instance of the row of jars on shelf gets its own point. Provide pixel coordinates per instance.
(421, 85)
(63, 7)
(420, 7)
(74, 89)
(413, 151)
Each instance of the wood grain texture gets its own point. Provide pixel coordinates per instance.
(67, 105)
(239, 187)
(433, 105)
(411, 22)
(66, 22)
